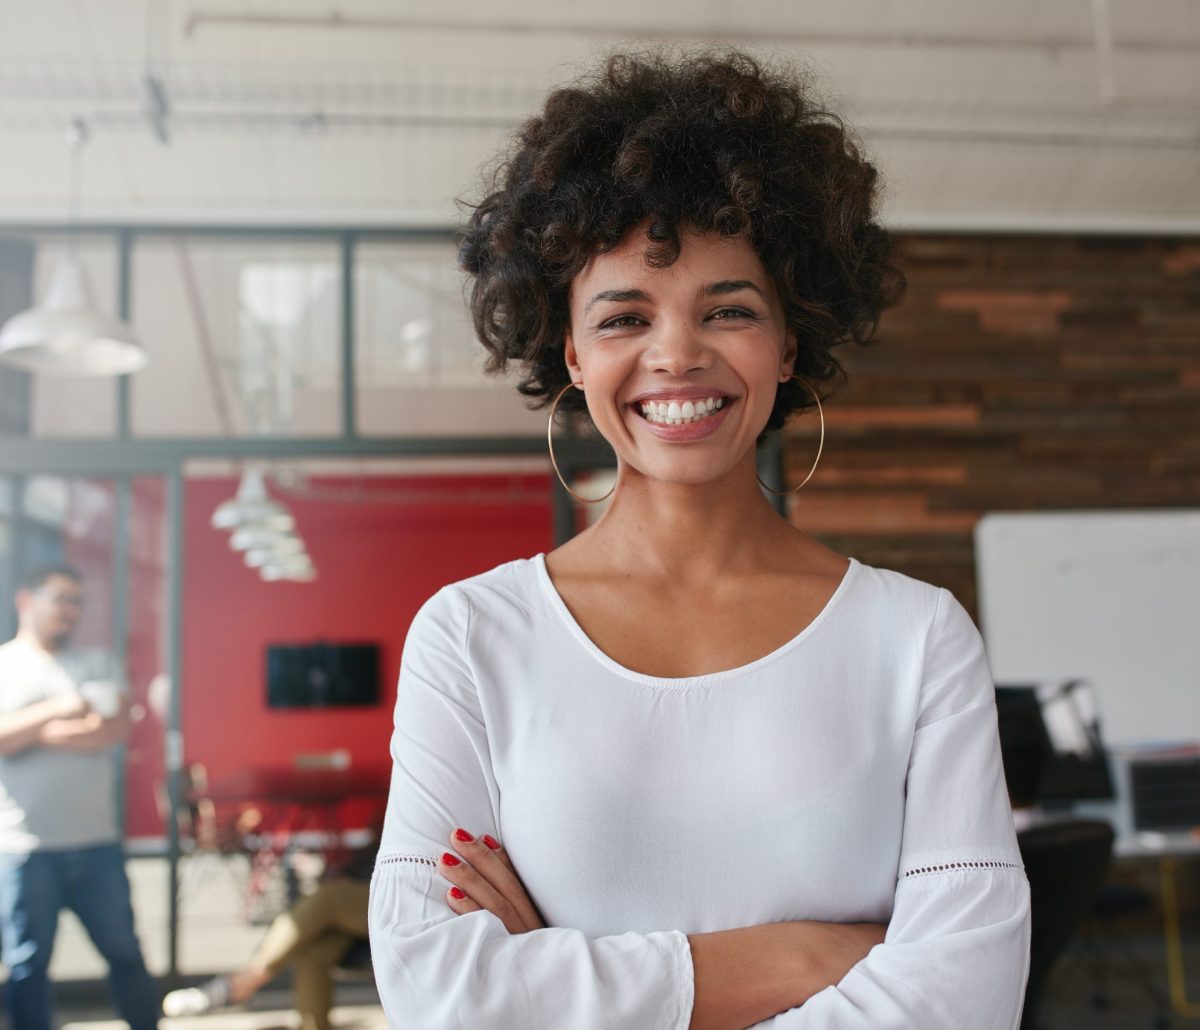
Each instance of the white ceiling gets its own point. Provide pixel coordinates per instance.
(1036, 114)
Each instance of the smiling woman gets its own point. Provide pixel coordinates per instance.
(693, 769)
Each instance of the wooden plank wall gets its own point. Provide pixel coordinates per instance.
(1020, 373)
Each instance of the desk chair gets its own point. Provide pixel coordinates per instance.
(1066, 863)
(356, 963)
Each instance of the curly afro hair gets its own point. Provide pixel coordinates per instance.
(707, 142)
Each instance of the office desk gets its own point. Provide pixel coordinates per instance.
(1168, 848)
(1153, 844)
(291, 786)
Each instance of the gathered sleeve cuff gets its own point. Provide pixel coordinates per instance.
(439, 970)
(956, 951)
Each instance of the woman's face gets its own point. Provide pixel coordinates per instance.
(703, 340)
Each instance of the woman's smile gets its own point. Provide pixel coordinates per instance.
(682, 421)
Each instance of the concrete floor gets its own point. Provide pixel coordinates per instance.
(271, 1011)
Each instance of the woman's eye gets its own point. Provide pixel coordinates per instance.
(620, 322)
(724, 314)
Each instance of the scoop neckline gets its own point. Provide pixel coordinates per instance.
(704, 679)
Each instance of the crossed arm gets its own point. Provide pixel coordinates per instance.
(64, 722)
(742, 976)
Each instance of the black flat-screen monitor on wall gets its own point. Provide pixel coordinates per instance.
(322, 675)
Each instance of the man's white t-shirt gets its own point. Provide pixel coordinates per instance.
(853, 774)
(51, 798)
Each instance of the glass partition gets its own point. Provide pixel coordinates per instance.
(244, 337)
(418, 367)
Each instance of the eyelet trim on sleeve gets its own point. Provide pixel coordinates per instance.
(979, 864)
(393, 859)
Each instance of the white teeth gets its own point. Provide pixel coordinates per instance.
(675, 413)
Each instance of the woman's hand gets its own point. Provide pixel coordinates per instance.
(483, 872)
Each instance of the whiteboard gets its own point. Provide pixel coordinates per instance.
(1110, 596)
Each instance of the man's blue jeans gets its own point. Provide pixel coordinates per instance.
(91, 882)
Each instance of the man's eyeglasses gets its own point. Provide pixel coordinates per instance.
(63, 600)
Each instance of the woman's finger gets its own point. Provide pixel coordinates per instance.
(480, 890)
(496, 866)
(460, 905)
(489, 880)
(499, 851)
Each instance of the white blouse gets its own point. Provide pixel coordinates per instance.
(851, 775)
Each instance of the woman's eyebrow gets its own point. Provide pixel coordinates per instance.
(716, 289)
(617, 295)
(724, 286)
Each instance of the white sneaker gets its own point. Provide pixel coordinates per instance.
(195, 1001)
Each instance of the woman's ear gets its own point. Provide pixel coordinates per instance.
(571, 358)
(790, 350)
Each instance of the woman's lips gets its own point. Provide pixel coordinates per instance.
(688, 430)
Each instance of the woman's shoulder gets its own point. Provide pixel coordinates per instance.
(896, 607)
(510, 583)
(872, 586)
(897, 585)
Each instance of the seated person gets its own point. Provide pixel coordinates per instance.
(312, 937)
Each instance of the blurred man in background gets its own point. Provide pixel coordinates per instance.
(62, 712)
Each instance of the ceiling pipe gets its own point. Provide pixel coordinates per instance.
(1050, 136)
(1052, 45)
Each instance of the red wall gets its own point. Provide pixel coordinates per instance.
(376, 564)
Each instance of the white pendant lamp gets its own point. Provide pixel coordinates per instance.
(260, 557)
(252, 507)
(258, 538)
(299, 569)
(67, 335)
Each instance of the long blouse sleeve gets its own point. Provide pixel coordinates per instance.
(436, 969)
(956, 951)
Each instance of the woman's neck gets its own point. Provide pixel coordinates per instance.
(685, 533)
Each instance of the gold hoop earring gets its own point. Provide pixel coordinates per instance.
(820, 445)
(550, 445)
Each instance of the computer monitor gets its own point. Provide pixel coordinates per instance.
(1050, 742)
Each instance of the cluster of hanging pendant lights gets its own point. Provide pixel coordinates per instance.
(264, 531)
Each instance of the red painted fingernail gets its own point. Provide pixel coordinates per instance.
(490, 841)
(456, 892)
(461, 834)
(449, 859)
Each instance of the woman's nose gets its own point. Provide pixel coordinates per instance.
(677, 347)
